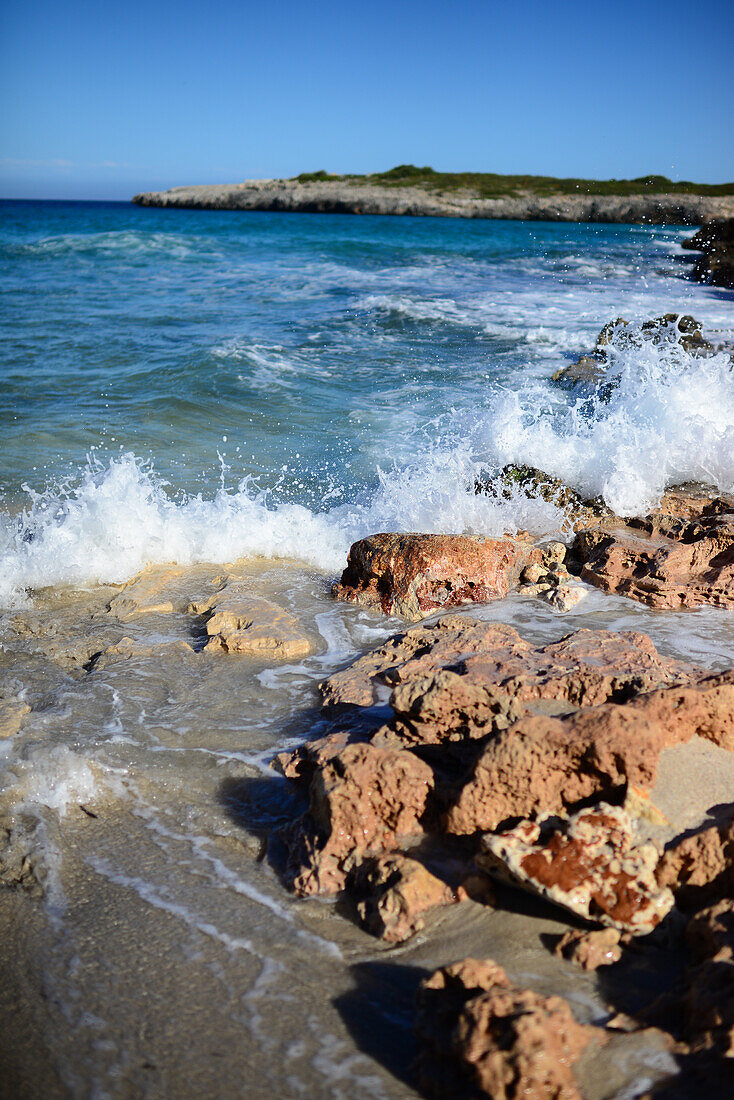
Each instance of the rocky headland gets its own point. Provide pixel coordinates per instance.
(364, 195)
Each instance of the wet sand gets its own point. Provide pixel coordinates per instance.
(152, 949)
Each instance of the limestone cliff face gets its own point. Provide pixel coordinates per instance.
(328, 197)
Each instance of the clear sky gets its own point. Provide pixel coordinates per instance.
(101, 99)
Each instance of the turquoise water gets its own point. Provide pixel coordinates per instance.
(302, 379)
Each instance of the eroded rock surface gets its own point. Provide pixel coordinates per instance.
(393, 893)
(682, 555)
(584, 668)
(479, 1035)
(590, 950)
(587, 863)
(700, 867)
(551, 765)
(364, 800)
(414, 575)
(147, 593)
(238, 621)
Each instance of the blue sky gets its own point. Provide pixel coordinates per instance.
(101, 100)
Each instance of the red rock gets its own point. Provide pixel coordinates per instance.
(482, 1037)
(363, 801)
(682, 557)
(393, 893)
(413, 575)
(546, 764)
(587, 863)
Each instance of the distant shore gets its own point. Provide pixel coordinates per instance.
(590, 202)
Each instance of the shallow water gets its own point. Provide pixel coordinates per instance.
(361, 373)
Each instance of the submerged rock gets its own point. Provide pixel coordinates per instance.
(414, 575)
(12, 713)
(240, 622)
(479, 1035)
(587, 863)
(146, 593)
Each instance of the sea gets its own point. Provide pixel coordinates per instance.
(214, 393)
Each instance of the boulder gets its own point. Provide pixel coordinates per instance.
(591, 372)
(715, 240)
(553, 764)
(682, 555)
(364, 800)
(587, 863)
(147, 593)
(481, 1036)
(413, 575)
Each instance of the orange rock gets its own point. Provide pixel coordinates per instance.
(413, 575)
(546, 764)
(590, 950)
(393, 893)
(364, 801)
(480, 1036)
(683, 557)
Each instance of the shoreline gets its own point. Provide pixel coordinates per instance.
(292, 196)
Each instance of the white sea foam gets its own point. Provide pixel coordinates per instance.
(668, 419)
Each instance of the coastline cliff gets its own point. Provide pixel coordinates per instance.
(359, 196)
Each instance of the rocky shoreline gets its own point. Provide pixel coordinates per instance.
(326, 197)
(462, 766)
(537, 766)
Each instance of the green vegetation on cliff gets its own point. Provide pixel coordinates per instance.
(489, 185)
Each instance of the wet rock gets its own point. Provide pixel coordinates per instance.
(564, 597)
(715, 240)
(240, 622)
(584, 668)
(537, 484)
(590, 950)
(365, 800)
(12, 713)
(393, 893)
(587, 863)
(480, 1036)
(128, 648)
(682, 555)
(553, 764)
(414, 575)
(591, 372)
(147, 593)
(699, 868)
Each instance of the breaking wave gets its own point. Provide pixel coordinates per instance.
(661, 417)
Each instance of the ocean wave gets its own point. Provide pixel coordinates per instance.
(119, 517)
(119, 243)
(663, 417)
